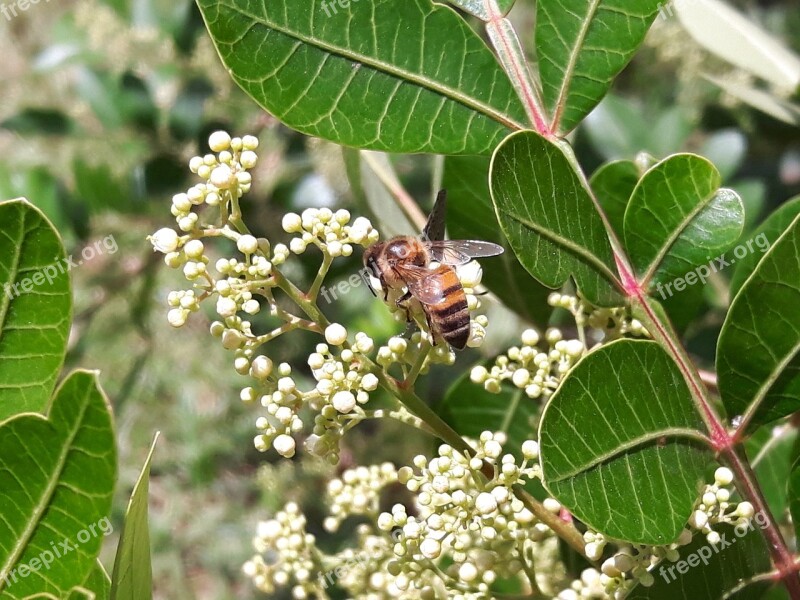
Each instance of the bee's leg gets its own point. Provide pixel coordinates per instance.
(401, 303)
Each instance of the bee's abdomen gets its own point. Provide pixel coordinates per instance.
(451, 316)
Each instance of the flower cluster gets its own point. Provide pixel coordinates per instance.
(329, 231)
(632, 564)
(537, 372)
(474, 521)
(608, 323)
(357, 492)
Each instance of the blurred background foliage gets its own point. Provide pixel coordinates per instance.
(104, 101)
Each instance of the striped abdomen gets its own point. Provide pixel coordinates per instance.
(450, 316)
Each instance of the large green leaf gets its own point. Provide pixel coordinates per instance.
(712, 572)
(549, 218)
(678, 218)
(582, 46)
(613, 184)
(57, 479)
(619, 443)
(133, 575)
(471, 216)
(758, 354)
(35, 308)
(393, 75)
(763, 237)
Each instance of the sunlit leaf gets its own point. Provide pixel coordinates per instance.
(581, 47)
(58, 473)
(772, 451)
(392, 75)
(620, 443)
(35, 308)
(678, 218)
(758, 354)
(549, 218)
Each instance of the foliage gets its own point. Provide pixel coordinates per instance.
(644, 416)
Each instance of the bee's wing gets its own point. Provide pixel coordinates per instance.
(460, 252)
(434, 228)
(424, 284)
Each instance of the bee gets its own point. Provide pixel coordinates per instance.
(403, 263)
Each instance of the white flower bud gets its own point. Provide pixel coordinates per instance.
(247, 244)
(530, 337)
(219, 141)
(723, 476)
(530, 449)
(177, 317)
(745, 510)
(698, 520)
(521, 377)
(292, 223)
(485, 503)
(261, 368)
(226, 307)
(552, 505)
(249, 142)
(165, 240)
(222, 177)
(251, 307)
(248, 159)
(478, 374)
(297, 245)
(467, 572)
(344, 402)
(369, 382)
(284, 445)
(335, 334)
(713, 538)
(430, 548)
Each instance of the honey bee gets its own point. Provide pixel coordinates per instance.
(404, 263)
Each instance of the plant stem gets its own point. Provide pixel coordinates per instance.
(509, 50)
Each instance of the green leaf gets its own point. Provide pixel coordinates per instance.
(133, 575)
(712, 572)
(477, 8)
(758, 354)
(471, 410)
(58, 473)
(771, 451)
(471, 216)
(549, 218)
(96, 586)
(613, 183)
(393, 75)
(582, 46)
(619, 443)
(763, 237)
(35, 308)
(678, 218)
(735, 38)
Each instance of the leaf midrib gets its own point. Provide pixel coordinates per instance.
(47, 495)
(673, 237)
(389, 69)
(571, 64)
(670, 432)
